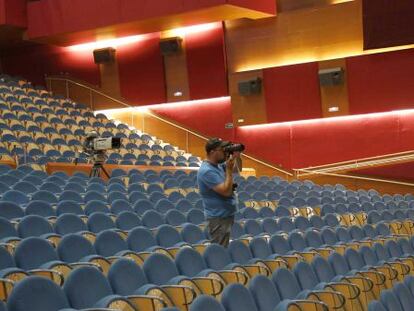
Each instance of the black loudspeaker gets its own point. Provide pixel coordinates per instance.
(104, 56)
(250, 87)
(331, 77)
(170, 45)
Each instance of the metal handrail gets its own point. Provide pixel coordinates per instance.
(91, 89)
(358, 164)
(361, 160)
(389, 181)
(88, 88)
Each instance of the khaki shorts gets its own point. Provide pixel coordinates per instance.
(220, 229)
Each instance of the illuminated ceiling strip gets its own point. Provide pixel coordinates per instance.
(115, 42)
(183, 31)
(330, 119)
(314, 57)
(106, 43)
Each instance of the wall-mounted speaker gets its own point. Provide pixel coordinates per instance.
(331, 76)
(250, 87)
(170, 46)
(104, 56)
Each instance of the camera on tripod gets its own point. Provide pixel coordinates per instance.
(95, 144)
(96, 147)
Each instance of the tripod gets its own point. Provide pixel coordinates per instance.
(96, 170)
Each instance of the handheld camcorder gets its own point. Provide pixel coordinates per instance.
(231, 148)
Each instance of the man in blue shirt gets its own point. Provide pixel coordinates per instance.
(215, 182)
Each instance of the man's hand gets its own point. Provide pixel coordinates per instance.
(230, 164)
(226, 188)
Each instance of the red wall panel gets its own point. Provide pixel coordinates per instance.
(141, 72)
(2, 12)
(35, 61)
(207, 117)
(292, 92)
(16, 12)
(317, 142)
(381, 82)
(406, 130)
(206, 65)
(270, 143)
(50, 17)
(388, 23)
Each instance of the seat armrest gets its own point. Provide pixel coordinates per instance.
(333, 299)
(209, 286)
(53, 275)
(6, 286)
(311, 305)
(148, 303)
(365, 284)
(180, 295)
(375, 276)
(344, 287)
(231, 276)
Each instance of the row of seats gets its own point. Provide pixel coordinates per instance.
(399, 298)
(42, 207)
(34, 225)
(133, 175)
(296, 245)
(307, 188)
(50, 128)
(330, 281)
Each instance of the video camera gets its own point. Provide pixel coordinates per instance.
(96, 146)
(231, 148)
(102, 144)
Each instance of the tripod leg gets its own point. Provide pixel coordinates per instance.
(94, 172)
(105, 172)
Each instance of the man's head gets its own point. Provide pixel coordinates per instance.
(215, 150)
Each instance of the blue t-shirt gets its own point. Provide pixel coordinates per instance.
(215, 205)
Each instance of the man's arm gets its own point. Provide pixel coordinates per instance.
(226, 188)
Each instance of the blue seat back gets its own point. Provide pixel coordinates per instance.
(69, 223)
(206, 303)
(85, 286)
(33, 225)
(125, 277)
(31, 253)
(73, 247)
(264, 293)
(236, 297)
(189, 262)
(36, 293)
(159, 269)
(216, 257)
(140, 239)
(109, 243)
(286, 283)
